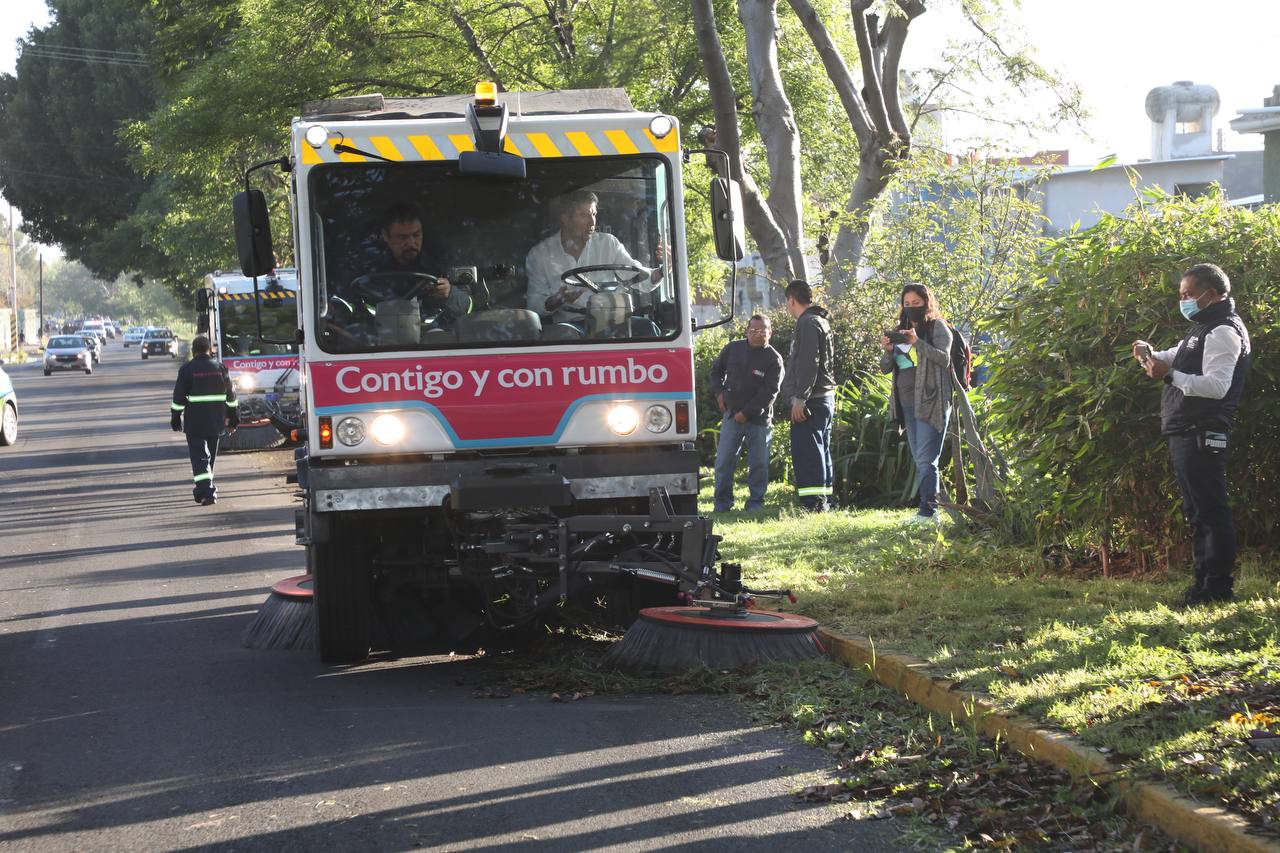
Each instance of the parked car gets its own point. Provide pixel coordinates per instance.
(134, 335)
(95, 345)
(69, 352)
(159, 342)
(8, 411)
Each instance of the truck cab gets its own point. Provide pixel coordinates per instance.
(254, 334)
(496, 363)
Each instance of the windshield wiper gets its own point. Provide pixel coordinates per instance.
(343, 148)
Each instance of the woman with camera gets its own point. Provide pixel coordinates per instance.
(918, 354)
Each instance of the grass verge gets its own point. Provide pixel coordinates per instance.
(1191, 697)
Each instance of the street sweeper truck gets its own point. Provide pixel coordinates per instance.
(496, 353)
(253, 335)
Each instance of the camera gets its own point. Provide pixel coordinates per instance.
(895, 337)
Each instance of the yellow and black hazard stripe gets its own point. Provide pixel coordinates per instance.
(410, 147)
(265, 294)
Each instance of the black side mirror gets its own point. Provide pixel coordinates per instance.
(726, 219)
(253, 233)
(203, 307)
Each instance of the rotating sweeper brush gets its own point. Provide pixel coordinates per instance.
(286, 620)
(715, 635)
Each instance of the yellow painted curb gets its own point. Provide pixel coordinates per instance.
(1203, 828)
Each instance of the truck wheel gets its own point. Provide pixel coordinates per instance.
(342, 600)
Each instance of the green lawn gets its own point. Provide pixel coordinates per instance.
(1183, 695)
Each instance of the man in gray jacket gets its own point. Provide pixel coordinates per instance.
(810, 390)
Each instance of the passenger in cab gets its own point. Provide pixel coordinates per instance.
(578, 244)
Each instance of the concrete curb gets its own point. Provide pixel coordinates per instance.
(1204, 828)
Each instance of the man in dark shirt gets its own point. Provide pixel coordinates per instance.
(204, 406)
(399, 250)
(745, 379)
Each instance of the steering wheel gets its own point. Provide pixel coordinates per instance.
(403, 285)
(578, 275)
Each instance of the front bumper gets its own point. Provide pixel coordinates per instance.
(404, 485)
(78, 364)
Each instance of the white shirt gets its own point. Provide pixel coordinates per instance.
(548, 260)
(1222, 348)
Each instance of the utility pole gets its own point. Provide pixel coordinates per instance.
(40, 257)
(13, 280)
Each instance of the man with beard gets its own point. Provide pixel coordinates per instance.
(399, 251)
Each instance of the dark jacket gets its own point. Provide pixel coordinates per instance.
(749, 378)
(1180, 413)
(204, 396)
(810, 370)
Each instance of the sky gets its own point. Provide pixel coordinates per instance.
(1114, 50)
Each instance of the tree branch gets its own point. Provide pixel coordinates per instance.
(872, 95)
(469, 36)
(837, 70)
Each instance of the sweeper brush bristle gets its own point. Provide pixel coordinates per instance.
(286, 620)
(674, 639)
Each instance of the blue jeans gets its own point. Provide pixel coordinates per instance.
(811, 454)
(732, 436)
(926, 448)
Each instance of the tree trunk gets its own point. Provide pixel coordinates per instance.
(759, 220)
(776, 121)
(847, 252)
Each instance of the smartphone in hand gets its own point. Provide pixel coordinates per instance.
(895, 337)
(1145, 353)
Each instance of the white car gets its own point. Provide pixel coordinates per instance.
(95, 327)
(68, 352)
(134, 335)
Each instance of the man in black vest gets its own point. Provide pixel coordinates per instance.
(1204, 380)
(204, 404)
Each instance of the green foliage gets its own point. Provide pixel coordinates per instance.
(970, 230)
(1078, 413)
(63, 163)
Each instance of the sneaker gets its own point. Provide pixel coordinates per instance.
(208, 501)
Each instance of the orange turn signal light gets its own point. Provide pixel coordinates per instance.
(326, 432)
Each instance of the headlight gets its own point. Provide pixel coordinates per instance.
(247, 382)
(623, 419)
(387, 429)
(660, 126)
(350, 431)
(657, 419)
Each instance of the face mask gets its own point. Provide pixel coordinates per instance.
(916, 315)
(1189, 307)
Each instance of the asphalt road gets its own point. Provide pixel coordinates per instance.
(131, 718)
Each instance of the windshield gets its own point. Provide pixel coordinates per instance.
(239, 322)
(159, 335)
(66, 343)
(383, 236)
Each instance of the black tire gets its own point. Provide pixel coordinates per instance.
(342, 581)
(8, 425)
(48, 373)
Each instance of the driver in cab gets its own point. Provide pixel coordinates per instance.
(578, 244)
(400, 252)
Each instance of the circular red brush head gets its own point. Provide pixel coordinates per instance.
(297, 587)
(715, 620)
